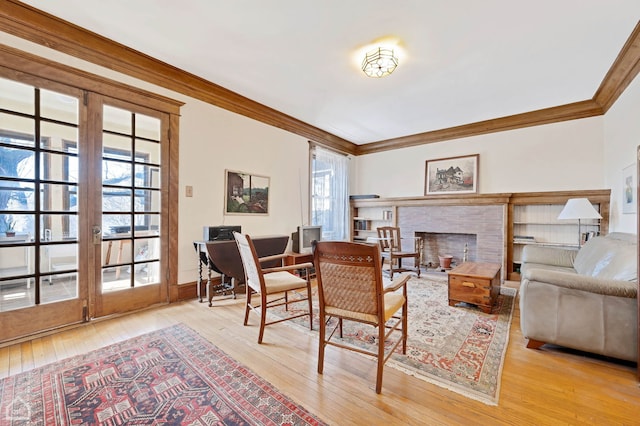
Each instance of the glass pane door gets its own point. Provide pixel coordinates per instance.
(39, 236)
(131, 210)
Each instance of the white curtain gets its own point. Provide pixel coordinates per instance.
(330, 193)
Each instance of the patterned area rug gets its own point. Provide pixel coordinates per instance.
(171, 376)
(459, 348)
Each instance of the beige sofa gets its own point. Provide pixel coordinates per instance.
(582, 299)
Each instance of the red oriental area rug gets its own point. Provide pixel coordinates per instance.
(458, 347)
(171, 376)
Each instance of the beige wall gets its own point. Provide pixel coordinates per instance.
(579, 154)
(559, 156)
(622, 137)
(212, 140)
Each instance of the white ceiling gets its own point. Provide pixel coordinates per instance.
(461, 61)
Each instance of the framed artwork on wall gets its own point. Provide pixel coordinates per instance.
(246, 194)
(629, 185)
(453, 175)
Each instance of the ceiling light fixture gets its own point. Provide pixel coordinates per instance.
(379, 62)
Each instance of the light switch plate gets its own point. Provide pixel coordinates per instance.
(189, 191)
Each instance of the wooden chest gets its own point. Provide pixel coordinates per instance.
(475, 283)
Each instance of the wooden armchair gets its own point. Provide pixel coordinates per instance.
(269, 281)
(391, 246)
(351, 287)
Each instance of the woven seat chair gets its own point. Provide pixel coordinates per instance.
(351, 287)
(266, 282)
(391, 246)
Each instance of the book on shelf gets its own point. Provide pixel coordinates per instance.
(523, 239)
(586, 236)
(361, 225)
(583, 238)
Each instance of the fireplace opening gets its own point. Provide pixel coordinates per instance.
(461, 248)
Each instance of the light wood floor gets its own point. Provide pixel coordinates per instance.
(539, 387)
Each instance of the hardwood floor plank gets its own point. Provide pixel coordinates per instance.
(26, 355)
(15, 359)
(546, 386)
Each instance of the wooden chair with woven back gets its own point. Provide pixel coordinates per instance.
(267, 282)
(351, 288)
(391, 246)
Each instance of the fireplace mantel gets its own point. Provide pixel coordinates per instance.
(439, 200)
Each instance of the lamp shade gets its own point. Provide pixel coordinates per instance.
(579, 208)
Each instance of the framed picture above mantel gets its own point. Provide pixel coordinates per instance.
(246, 194)
(453, 175)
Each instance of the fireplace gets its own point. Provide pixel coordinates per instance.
(447, 229)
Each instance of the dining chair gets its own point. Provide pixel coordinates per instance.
(351, 288)
(391, 246)
(272, 285)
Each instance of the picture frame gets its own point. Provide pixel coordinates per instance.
(246, 193)
(453, 175)
(629, 189)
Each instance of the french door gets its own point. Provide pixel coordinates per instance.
(82, 191)
(127, 211)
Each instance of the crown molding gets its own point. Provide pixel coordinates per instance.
(37, 26)
(624, 69)
(32, 24)
(567, 112)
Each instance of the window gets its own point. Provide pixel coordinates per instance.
(38, 216)
(329, 193)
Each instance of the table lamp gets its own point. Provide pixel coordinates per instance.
(579, 208)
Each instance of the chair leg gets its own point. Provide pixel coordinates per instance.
(340, 325)
(381, 330)
(310, 305)
(246, 308)
(263, 316)
(321, 344)
(405, 324)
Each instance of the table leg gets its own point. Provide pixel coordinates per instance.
(209, 295)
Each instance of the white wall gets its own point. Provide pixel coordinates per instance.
(580, 154)
(622, 137)
(212, 140)
(559, 156)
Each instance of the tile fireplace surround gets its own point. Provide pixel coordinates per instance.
(446, 229)
(447, 223)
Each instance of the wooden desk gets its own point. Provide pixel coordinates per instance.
(293, 258)
(223, 257)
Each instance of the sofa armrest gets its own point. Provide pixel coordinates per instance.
(586, 283)
(555, 256)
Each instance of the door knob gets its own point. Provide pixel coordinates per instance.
(96, 232)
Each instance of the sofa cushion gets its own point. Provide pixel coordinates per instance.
(545, 267)
(611, 257)
(552, 256)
